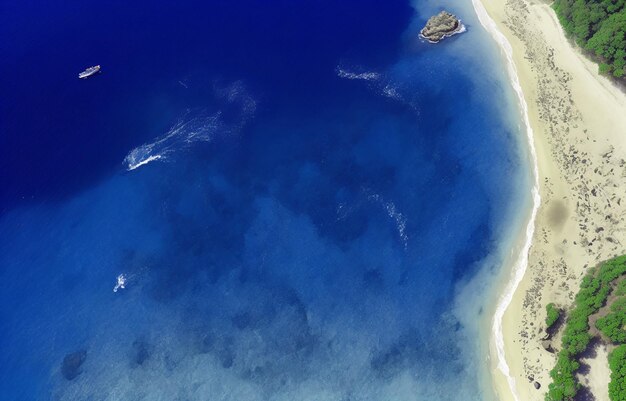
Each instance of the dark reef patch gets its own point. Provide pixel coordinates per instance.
(71, 366)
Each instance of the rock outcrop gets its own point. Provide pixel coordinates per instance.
(441, 26)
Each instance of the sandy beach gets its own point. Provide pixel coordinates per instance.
(578, 122)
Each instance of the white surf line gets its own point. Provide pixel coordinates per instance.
(521, 264)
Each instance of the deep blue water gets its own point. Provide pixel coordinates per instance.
(323, 184)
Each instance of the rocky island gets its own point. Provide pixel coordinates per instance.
(441, 26)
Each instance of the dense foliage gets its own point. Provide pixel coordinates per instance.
(552, 315)
(617, 363)
(620, 289)
(594, 291)
(598, 26)
(612, 325)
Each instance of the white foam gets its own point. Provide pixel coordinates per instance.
(132, 166)
(376, 81)
(391, 92)
(121, 282)
(400, 222)
(236, 93)
(521, 263)
(397, 216)
(191, 128)
(366, 76)
(196, 126)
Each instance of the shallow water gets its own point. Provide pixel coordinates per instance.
(293, 194)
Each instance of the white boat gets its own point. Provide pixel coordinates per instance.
(89, 72)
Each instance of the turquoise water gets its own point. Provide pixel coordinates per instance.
(293, 196)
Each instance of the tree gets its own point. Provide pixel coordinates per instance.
(599, 27)
(552, 315)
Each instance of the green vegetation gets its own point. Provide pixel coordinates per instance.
(617, 363)
(552, 315)
(612, 325)
(598, 26)
(620, 290)
(594, 291)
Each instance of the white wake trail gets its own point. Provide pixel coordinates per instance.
(196, 126)
(186, 131)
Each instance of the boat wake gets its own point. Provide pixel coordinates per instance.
(197, 126)
(376, 81)
(184, 133)
(120, 282)
(366, 76)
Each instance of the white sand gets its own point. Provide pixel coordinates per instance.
(578, 121)
(598, 376)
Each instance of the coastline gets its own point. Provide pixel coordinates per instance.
(573, 125)
(520, 263)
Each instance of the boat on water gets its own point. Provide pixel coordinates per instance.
(89, 72)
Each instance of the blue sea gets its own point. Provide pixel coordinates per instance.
(254, 200)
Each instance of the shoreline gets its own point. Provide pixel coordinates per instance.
(573, 122)
(521, 260)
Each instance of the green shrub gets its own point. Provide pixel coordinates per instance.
(617, 363)
(594, 291)
(552, 315)
(599, 26)
(620, 289)
(612, 325)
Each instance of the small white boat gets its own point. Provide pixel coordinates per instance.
(89, 72)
